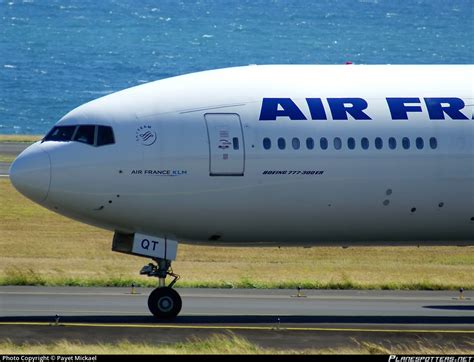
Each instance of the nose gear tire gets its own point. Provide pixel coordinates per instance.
(164, 303)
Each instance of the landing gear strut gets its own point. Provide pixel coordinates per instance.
(164, 302)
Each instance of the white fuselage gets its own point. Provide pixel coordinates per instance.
(199, 157)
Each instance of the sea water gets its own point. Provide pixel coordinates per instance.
(56, 55)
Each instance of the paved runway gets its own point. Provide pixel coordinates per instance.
(271, 318)
(10, 149)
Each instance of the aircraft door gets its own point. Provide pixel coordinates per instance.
(226, 144)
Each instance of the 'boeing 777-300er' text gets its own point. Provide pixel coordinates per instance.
(265, 155)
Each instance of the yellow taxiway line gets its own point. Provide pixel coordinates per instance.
(258, 328)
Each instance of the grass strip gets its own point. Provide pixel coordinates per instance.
(19, 138)
(227, 343)
(6, 158)
(39, 247)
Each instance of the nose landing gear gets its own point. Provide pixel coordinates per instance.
(164, 302)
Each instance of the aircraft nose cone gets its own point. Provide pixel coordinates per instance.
(30, 173)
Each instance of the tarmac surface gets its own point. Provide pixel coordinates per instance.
(270, 318)
(10, 149)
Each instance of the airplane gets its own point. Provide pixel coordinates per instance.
(285, 155)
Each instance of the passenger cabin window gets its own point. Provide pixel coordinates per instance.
(323, 142)
(281, 143)
(105, 136)
(89, 134)
(267, 143)
(406, 143)
(337, 142)
(378, 143)
(351, 143)
(60, 134)
(392, 143)
(295, 142)
(85, 134)
(420, 143)
(364, 142)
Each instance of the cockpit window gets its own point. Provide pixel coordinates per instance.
(60, 134)
(85, 134)
(105, 136)
(89, 134)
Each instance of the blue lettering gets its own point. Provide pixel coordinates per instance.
(399, 110)
(316, 108)
(341, 107)
(437, 107)
(270, 111)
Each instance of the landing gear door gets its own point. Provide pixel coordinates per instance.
(226, 144)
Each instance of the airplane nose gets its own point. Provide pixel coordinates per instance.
(30, 173)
